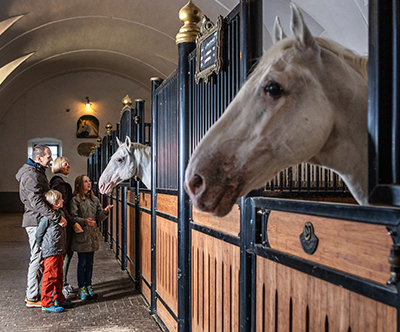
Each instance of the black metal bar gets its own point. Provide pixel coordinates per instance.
(382, 35)
(167, 216)
(155, 83)
(250, 51)
(184, 252)
(124, 238)
(165, 304)
(247, 267)
(216, 234)
(396, 93)
(386, 295)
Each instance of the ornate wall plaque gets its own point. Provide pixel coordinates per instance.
(209, 42)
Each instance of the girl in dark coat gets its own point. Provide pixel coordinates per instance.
(61, 168)
(86, 209)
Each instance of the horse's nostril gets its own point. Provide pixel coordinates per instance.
(196, 184)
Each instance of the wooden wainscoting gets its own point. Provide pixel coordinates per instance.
(215, 284)
(145, 252)
(289, 300)
(229, 224)
(167, 204)
(356, 248)
(114, 225)
(130, 234)
(167, 266)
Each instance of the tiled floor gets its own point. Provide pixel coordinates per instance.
(119, 308)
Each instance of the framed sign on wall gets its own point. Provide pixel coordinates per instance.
(209, 56)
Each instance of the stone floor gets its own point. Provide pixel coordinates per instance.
(119, 308)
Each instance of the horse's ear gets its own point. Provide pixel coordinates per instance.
(118, 142)
(300, 29)
(128, 144)
(279, 34)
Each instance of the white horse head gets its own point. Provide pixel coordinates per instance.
(130, 159)
(305, 102)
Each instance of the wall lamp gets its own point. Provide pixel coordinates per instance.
(88, 104)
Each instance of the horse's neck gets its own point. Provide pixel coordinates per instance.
(143, 156)
(346, 150)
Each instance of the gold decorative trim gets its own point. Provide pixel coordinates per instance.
(190, 15)
(210, 34)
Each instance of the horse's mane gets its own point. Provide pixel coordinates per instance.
(357, 62)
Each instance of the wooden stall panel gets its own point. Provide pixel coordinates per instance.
(145, 250)
(357, 248)
(167, 204)
(167, 262)
(168, 320)
(229, 224)
(119, 227)
(131, 245)
(215, 284)
(145, 200)
(289, 300)
(113, 232)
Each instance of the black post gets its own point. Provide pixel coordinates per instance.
(185, 39)
(251, 51)
(155, 83)
(139, 121)
(116, 207)
(124, 239)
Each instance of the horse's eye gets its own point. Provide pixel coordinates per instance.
(274, 89)
(119, 160)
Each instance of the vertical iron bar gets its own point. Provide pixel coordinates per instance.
(184, 208)
(250, 50)
(396, 94)
(155, 83)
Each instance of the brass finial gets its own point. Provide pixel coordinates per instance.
(92, 149)
(108, 128)
(127, 101)
(190, 15)
(99, 141)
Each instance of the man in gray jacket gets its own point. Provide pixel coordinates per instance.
(33, 184)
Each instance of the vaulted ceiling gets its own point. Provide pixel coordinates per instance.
(134, 39)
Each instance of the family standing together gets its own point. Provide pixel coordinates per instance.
(58, 222)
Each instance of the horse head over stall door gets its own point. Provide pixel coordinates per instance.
(130, 159)
(306, 101)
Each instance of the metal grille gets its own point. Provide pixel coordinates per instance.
(209, 101)
(167, 134)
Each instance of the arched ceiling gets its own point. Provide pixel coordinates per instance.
(135, 39)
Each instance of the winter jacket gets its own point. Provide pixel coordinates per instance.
(33, 184)
(51, 237)
(80, 210)
(59, 184)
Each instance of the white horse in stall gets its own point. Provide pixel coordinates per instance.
(130, 159)
(307, 101)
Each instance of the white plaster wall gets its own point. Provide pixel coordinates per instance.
(42, 113)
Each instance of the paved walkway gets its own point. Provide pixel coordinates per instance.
(119, 307)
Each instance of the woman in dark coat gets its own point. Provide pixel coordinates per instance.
(61, 168)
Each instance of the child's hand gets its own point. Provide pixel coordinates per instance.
(90, 222)
(77, 228)
(63, 222)
(108, 208)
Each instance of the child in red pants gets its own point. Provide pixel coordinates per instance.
(51, 237)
